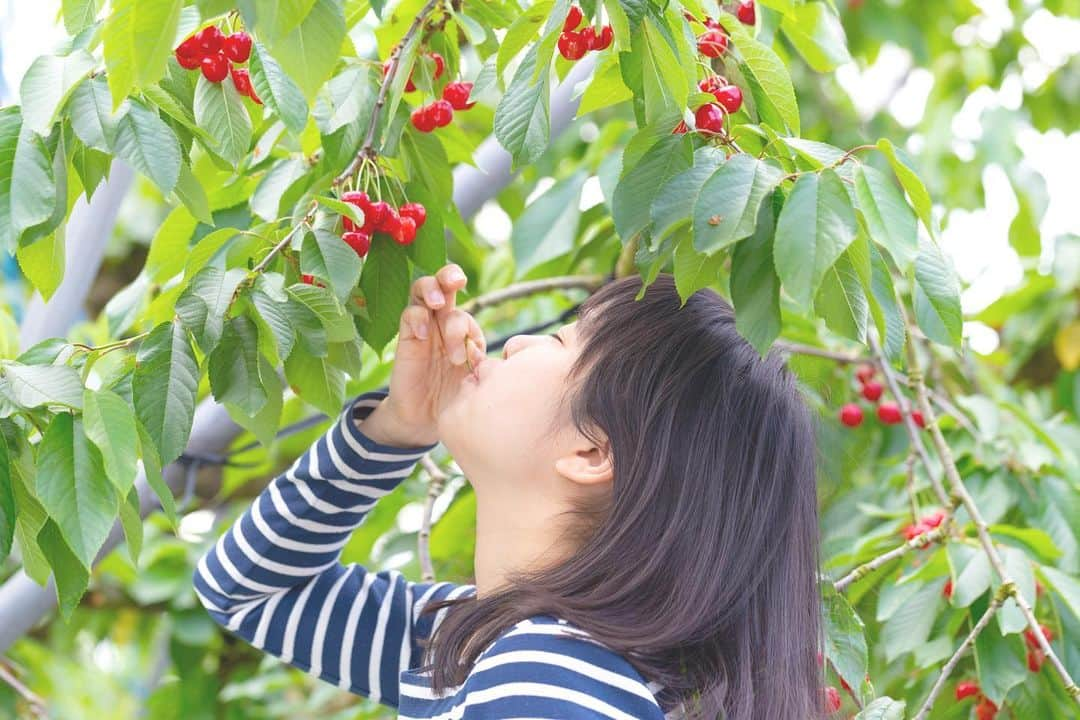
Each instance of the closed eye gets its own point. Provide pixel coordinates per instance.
(556, 336)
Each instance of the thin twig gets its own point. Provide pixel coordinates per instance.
(910, 462)
(37, 705)
(960, 491)
(283, 242)
(909, 422)
(435, 487)
(845, 358)
(946, 670)
(367, 150)
(919, 541)
(531, 287)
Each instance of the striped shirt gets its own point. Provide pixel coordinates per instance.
(275, 579)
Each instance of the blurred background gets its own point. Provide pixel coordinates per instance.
(984, 94)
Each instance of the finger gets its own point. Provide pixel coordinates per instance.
(426, 291)
(451, 279)
(455, 327)
(479, 350)
(415, 324)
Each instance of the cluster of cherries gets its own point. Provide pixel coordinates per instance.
(574, 43)
(925, 524)
(709, 118)
(455, 96)
(888, 412)
(1035, 655)
(215, 54)
(986, 709)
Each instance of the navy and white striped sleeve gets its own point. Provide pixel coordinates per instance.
(275, 578)
(543, 670)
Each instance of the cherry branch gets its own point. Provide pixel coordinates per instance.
(531, 287)
(919, 541)
(265, 262)
(37, 705)
(1000, 596)
(367, 150)
(960, 491)
(423, 541)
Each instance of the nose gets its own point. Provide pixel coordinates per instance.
(512, 343)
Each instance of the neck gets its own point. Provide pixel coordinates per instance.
(512, 534)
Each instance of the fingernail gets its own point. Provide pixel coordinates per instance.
(458, 356)
(435, 297)
(422, 331)
(456, 275)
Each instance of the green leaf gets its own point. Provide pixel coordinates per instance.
(92, 118)
(885, 308)
(607, 88)
(272, 313)
(755, 289)
(937, 295)
(131, 521)
(521, 122)
(149, 145)
(151, 463)
(73, 487)
(428, 250)
(72, 576)
(889, 218)
(7, 502)
(307, 326)
(815, 227)
(694, 270)
(138, 37)
(190, 192)
(883, 708)
(234, 367)
(47, 83)
(10, 126)
(110, 424)
(767, 76)
(279, 18)
(909, 627)
(326, 256)
(817, 34)
(36, 385)
(276, 89)
(841, 301)
(547, 227)
(92, 166)
(973, 581)
(220, 111)
(263, 424)
(727, 207)
(331, 313)
(164, 388)
(1065, 585)
(664, 84)
(999, 666)
(343, 208)
(920, 198)
(632, 200)
(845, 636)
(1018, 565)
(168, 249)
(38, 186)
(80, 14)
(316, 381)
(521, 33)
(310, 51)
(674, 204)
(203, 305)
(43, 263)
(385, 284)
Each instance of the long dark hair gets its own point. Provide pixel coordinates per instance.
(701, 568)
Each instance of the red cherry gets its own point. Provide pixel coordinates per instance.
(889, 413)
(711, 84)
(414, 210)
(966, 689)
(712, 43)
(1035, 660)
(1032, 640)
(572, 45)
(422, 119)
(406, 231)
(374, 219)
(917, 416)
(872, 390)
(747, 12)
(712, 24)
(986, 710)
(573, 19)
(440, 64)
(442, 112)
(209, 39)
(359, 199)
(851, 415)
(307, 279)
(910, 532)
(241, 79)
(254, 97)
(947, 591)
(709, 118)
(215, 67)
(390, 223)
(189, 54)
(358, 240)
(680, 128)
(604, 40)
(729, 97)
(832, 700)
(590, 37)
(934, 519)
(237, 46)
(864, 373)
(457, 94)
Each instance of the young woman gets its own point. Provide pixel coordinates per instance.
(646, 524)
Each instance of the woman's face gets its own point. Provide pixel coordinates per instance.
(501, 422)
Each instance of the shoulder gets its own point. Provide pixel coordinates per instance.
(543, 666)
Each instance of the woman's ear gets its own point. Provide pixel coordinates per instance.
(587, 464)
